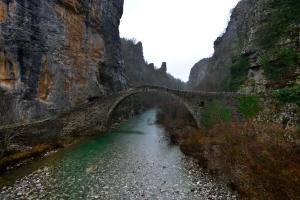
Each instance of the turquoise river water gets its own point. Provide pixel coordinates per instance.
(135, 161)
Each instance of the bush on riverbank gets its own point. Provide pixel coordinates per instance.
(260, 161)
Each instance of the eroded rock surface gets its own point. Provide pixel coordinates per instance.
(57, 53)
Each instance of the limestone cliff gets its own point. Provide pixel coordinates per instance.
(198, 73)
(215, 70)
(259, 53)
(257, 29)
(139, 72)
(57, 53)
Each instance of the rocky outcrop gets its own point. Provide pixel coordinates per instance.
(198, 73)
(163, 68)
(214, 71)
(139, 72)
(241, 40)
(259, 53)
(57, 53)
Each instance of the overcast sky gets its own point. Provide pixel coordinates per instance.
(180, 32)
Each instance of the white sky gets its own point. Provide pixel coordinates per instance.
(180, 32)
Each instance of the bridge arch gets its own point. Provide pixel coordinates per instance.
(152, 89)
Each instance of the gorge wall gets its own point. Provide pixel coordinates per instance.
(258, 30)
(139, 72)
(259, 53)
(57, 53)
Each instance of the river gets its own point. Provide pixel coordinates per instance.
(135, 161)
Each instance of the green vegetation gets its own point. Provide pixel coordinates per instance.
(281, 23)
(284, 14)
(286, 62)
(215, 114)
(239, 72)
(288, 95)
(249, 106)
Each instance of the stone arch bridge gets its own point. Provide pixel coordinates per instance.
(193, 101)
(98, 112)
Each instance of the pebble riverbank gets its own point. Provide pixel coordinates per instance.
(134, 162)
(40, 185)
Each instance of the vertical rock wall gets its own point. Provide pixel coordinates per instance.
(242, 39)
(238, 39)
(56, 53)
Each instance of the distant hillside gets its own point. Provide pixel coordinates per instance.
(139, 72)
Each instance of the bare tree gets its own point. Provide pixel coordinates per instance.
(6, 141)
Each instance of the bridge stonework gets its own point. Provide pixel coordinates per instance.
(99, 112)
(192, 100)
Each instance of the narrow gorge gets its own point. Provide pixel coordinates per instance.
(85, 115)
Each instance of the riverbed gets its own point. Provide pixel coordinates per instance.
(134, 161)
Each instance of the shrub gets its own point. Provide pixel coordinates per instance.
(285, 63)
(215, 113)
(288, 95)
(249, 106)
(238, 73)
(258, 159)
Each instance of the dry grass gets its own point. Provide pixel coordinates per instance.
(260, 161)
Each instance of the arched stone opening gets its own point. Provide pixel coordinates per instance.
(137, 91)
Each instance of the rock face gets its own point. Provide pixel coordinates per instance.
(241, 40)
(163, 68)
(139, 72)
(214, 71)
(57, 53)
(259, 53)
(198, 73)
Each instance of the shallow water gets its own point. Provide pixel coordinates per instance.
(135, 161)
